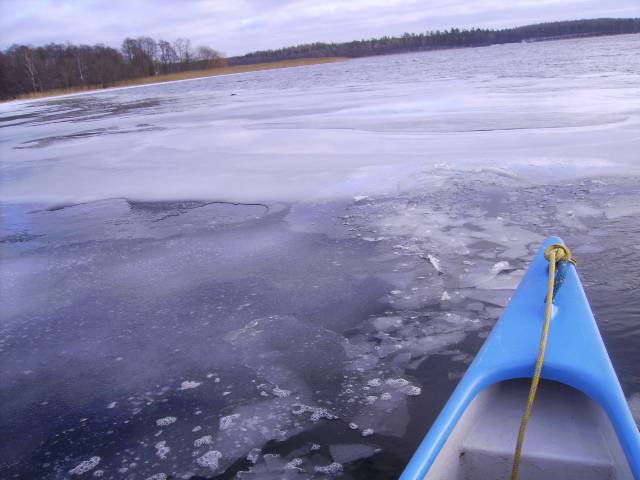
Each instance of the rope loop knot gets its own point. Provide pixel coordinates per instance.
(562, 253)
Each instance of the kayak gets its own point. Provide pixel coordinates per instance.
(580, 426)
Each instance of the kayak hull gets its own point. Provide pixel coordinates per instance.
(576, 358)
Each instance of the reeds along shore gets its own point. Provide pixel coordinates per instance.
(169, 77)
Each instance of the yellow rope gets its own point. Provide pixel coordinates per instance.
(554, 253)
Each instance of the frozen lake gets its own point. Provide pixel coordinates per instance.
(283, 274)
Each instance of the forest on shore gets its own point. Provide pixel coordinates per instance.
(453, 38)
(26, 69)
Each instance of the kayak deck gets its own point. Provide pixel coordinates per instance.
(569, 437)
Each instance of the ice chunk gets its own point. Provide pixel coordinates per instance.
(435, 262)
(385, 324)
(205, 440)
(317, 413)
(165, 421)
(345, 453)
(281, 392)
(623, 206)
(294, 464)
(253, 425)
(253, 455)
(188, 385)
(210, 460)
(499, 267)
(331, 469)
(412, 390)
(275, 467)
(374, 382)
(162, 450)
(498, 298)
(397, 382)
(227, 421)
(85, 466)
(158, 476)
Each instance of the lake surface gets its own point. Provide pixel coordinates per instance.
(283, 274)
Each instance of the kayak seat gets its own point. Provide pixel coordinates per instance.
(569, 437)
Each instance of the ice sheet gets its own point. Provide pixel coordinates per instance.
(290, 135)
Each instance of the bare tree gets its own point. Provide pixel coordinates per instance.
(183, 49)
(30, 66)
(148, 53)
(129, 49)
(168, 56)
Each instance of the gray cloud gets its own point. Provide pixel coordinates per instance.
(239, 26)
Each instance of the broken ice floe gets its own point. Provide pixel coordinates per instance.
(157, 476)
(346, 453)
(188, 385)
(162, 450)
(227, 421)
(317, 413)
(209, 460)
(204, 440)
(165, 421)
(85, 466)
(331, 469)
(281, 392)
(294, 465)
(253, 455)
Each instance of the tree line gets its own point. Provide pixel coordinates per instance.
(28, 69)
(453, 38)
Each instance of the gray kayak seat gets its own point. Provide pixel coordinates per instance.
(569, 437)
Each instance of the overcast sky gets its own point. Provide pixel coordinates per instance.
(240, 26)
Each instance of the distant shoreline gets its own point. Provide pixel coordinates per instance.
(172, 77)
